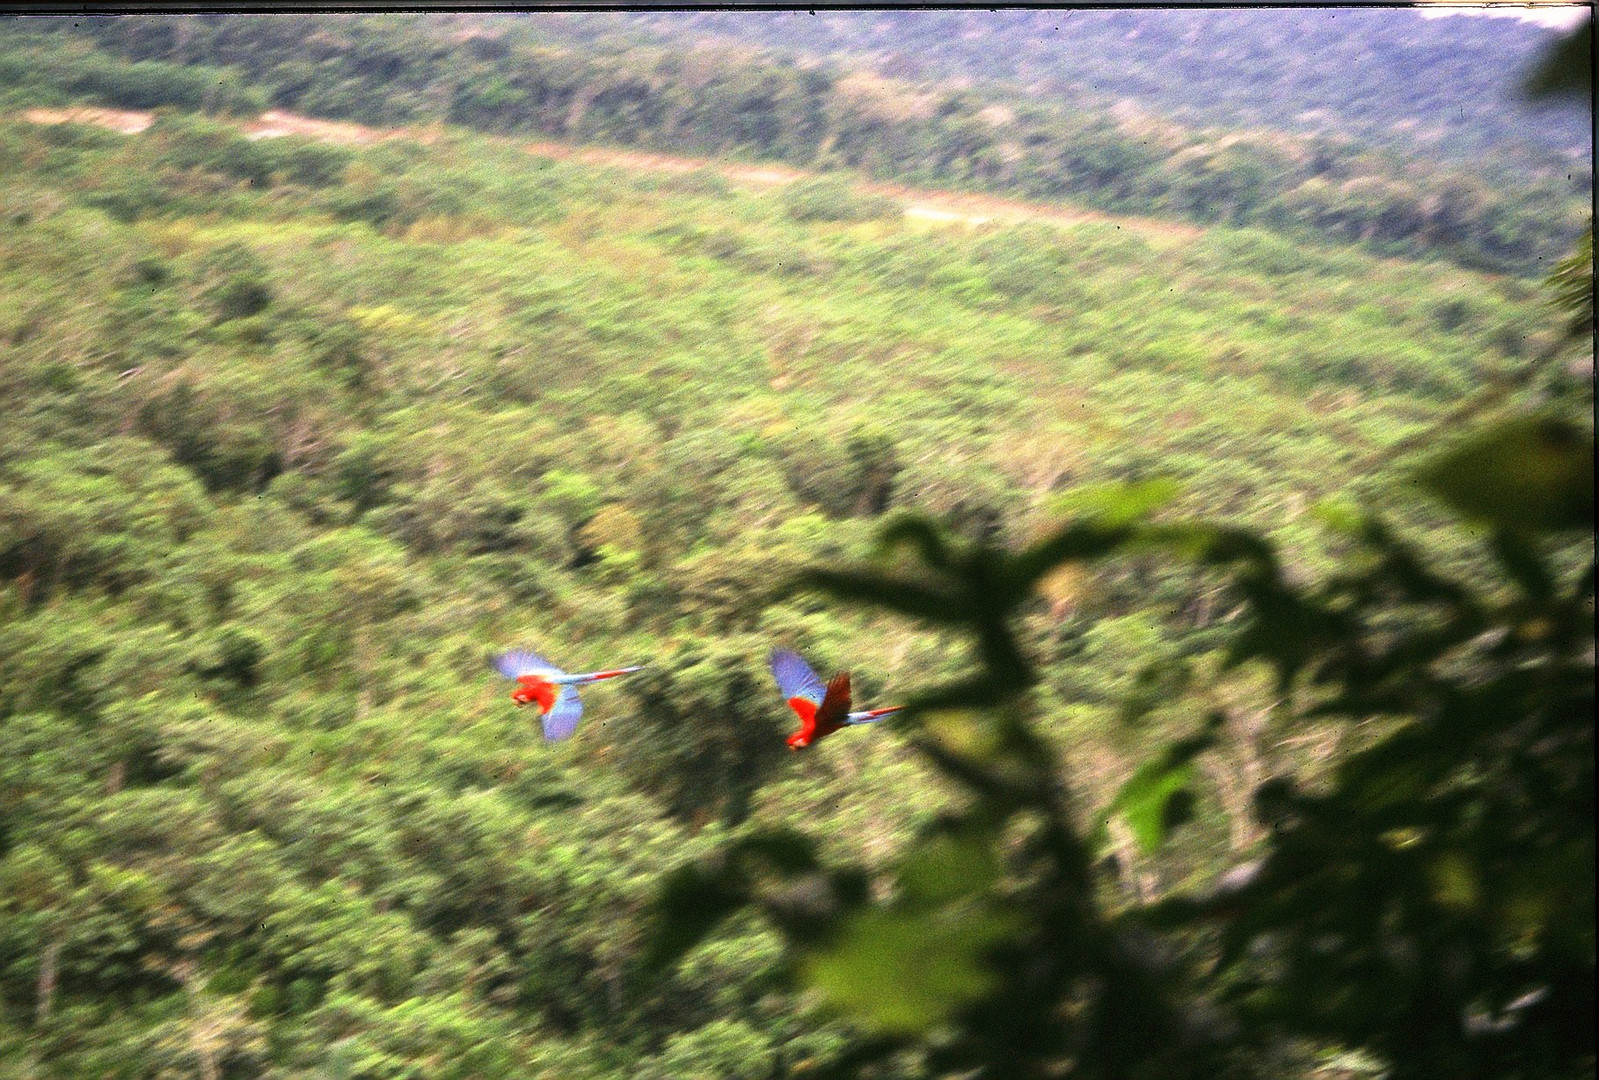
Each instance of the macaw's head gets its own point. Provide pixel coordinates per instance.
(799, 740)
(532, 690)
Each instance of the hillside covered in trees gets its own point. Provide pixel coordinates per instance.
(1429, 87)
(299, 433)
(1515, 205)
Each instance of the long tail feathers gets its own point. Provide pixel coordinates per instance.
(871, 716)
(596, 676)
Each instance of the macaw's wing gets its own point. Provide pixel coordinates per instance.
(795, 678)
(871, 716)
(519, 662)
(834, 709)
(561, 720)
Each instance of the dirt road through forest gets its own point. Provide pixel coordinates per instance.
(921, 204)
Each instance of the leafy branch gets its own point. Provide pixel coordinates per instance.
(1442, 877)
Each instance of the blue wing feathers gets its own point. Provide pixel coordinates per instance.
(795, 677)
(561, 721)
(519, 662)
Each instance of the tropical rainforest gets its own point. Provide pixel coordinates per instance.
(1516, 206)
(1219, 500)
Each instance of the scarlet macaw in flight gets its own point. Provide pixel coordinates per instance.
(541, 683)
(822, 709)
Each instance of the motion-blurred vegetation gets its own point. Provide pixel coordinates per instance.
(298, 432)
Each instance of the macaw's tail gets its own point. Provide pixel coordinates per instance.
(598, 675)
(871, 715)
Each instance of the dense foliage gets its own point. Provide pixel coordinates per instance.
(1498, 212)
(298, 433)
(1428, 900)
(1423, 893)
(1440, 86)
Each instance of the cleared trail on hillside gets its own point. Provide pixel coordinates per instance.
(920, 204)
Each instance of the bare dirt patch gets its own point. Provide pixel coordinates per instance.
(127, 121)
(275, 122)
(937, 207)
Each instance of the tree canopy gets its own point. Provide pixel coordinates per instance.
(1239, 585)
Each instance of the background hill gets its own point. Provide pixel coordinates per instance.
(1465, 188)
(1437, 87)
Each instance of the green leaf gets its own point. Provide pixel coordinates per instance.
(1143, 801)
(905, 971)
(919, 532)
(1524, 565)
(1156, 799)
(692, 901)
(1572, 286)
(1116, 504)
(783, 850)
(949, 865)
(1566, 69)
(1455, 881)
(1524, 474)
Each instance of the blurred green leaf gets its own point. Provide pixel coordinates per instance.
(1116, 504)
(1455, 882)
(1156, 798)
(1142, 802)
(1572, 285)
(1524, 565)
(693, 899)
(1526, 473)
(1566, 70)
(948, 865)
(905, 972)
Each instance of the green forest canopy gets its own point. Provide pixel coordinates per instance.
(1424, 86)
(301, 432)
(1513, 209)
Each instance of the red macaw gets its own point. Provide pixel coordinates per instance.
(541, 683)
(822, 709)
